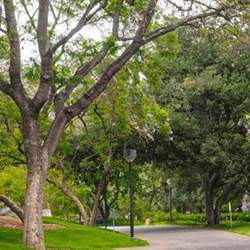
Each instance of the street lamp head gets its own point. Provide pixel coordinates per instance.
(171, 135)
(169, 181)
(129, 154)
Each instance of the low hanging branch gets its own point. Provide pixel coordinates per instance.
(73, 197)
(13, 207)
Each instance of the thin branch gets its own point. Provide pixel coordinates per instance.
(181, 8)
(17, 160)
(56, 17)
(83, 123)
(87, 16)
(10, 131)
(99, 115)
(183, 22)
(29, 16)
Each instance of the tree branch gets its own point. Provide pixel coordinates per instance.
(141, 38)
(116, 66)
(18, 143)
(6, 88)
(42, 26)
(183, 22)
(29, 16)
(86, 17)
(44, 89)
(13, 207)
(73, 197)
(55, 132)
(83, 71)
(15, 56)
(17, 160)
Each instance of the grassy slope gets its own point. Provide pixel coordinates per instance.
(72, 236)
(241, 228)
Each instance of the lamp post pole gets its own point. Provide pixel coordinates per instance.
(131, 199)
(169, 182)
(170, 205)
(130, 155)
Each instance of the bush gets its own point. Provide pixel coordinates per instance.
(197, 218)
(159, 217)
(245, 216)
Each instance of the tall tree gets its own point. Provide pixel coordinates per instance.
(209, 111)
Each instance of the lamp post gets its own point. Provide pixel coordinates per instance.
(130, 155)
(248, 125)
(169, 182)
(171, 139)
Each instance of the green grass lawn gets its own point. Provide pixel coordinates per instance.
(238, 227)
(71, 236)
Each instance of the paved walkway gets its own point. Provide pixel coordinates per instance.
(191, 238)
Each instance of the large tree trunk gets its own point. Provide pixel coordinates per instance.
(208, 185)
(33, 226)
(217, 215)
(37, 163)
(209, 207)
(13, 206)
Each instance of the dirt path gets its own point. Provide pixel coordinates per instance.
(13, 222)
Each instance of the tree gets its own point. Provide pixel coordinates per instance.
(208, 116)
(96, 142)
(57, 75)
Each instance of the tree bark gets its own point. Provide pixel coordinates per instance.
(217, 215)
(33, 227)
(99, 193)
(209, 206)
(208, 185)
(78, 203)
(220, 200)
(13, 207)
(37, 163)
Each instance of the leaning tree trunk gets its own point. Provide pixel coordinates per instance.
(84, 218)
(99, 193)
(37, 163)
(220, 200)
(12, 206)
